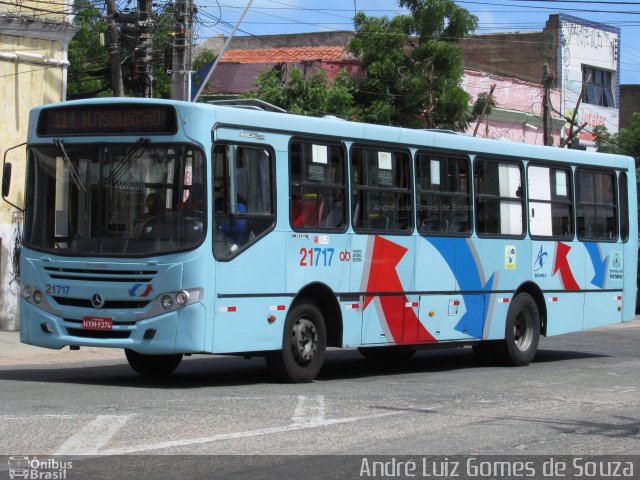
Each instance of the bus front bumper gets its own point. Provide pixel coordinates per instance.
(179, 331)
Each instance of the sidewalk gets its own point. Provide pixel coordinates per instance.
(12, 352)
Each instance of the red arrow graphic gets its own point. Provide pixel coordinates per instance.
(383, 277)
(148, 290)
(562, 264)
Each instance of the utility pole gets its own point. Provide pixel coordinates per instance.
(181, 60)
(547, 80)
(489, 103)
(143, 72)
(572, 120)
(114, 50)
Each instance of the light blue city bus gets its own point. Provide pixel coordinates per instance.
(167, 229)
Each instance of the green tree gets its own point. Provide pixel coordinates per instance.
(314, 95)
(625, 142)
(162, 47)
(414, 69)
(88, 73)
(205, 56)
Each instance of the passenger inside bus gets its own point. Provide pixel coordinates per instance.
(307, 211)
(232, 227)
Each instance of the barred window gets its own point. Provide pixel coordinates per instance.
(499, 202)
(596, 213)
(599, 90)
(381, 190)
(443, 194)
(318, 186)
(550, 202)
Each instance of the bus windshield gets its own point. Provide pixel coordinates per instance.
(115, 199)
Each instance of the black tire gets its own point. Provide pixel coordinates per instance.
(522, 332)
(153, 365)
(304, 342)
(387, 354)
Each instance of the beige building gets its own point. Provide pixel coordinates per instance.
(34, 40)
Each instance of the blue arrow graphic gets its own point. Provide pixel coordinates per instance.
(470, 280)
(132, 290)
(599, 264)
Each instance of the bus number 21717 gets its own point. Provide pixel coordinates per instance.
(316, 257)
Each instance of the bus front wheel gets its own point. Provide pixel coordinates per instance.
(304, 343)
(152, 365)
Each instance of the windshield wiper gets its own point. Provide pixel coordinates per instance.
(73, 172)
(121, 167)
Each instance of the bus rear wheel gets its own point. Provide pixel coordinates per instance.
(522, 335)
(152, 365)
(522, 331)
(304, 342)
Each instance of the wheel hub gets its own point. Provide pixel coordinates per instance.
(304, 340)
(523, 331)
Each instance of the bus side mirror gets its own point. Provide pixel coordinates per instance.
(6, 180)
(6, 177)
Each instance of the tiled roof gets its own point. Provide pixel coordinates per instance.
(277, 55)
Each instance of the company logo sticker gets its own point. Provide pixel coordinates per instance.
(510, 257)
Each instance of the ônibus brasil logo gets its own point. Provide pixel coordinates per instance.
(35, 469)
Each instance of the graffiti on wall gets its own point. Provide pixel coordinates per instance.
(592, 119)
(585, 36)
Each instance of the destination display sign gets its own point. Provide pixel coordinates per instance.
(115, 119)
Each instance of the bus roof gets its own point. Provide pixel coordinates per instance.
(335, 128)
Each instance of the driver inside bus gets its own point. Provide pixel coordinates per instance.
(152, 207)
(193, 204)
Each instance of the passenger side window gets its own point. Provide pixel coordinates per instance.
(243, 209)
(596, 205)
(550, 202)
(499, 202)
(624, 207)
(317, 190)
(381, 191)
(443, 194)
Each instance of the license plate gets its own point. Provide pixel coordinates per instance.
(97, 323)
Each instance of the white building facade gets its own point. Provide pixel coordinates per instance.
(589, 51)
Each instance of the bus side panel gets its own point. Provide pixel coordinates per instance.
(564, 303)
(248, 287)
(456, 310)
(604, 270)
(435, 273)
(384, 275)
(504, 267)
(190, 334)
(243, 325)
(317, 257)
(631, 248)
(629, 295)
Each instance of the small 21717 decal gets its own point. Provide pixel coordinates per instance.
(53, 289)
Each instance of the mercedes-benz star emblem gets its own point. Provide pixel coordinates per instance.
(97, 301)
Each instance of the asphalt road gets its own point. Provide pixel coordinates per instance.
(580, 397)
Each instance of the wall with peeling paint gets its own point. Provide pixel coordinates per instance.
(33, 66)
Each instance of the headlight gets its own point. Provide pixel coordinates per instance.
(167, 302)
(37, 296)
(26, 292)
(182, 298)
